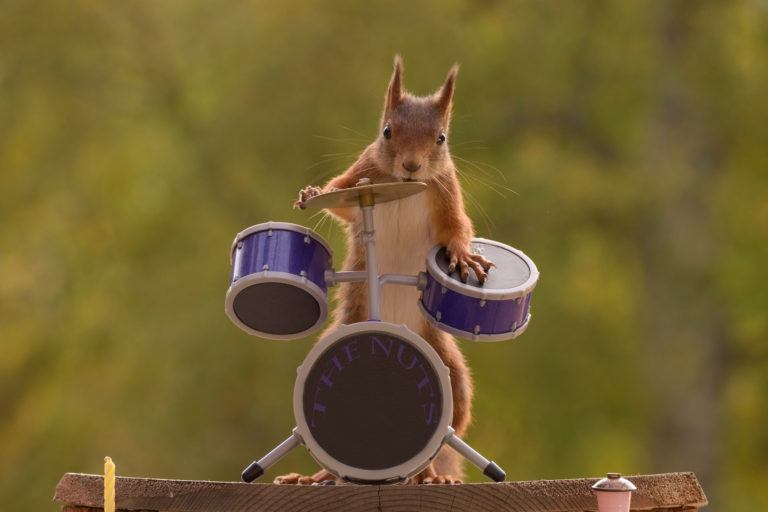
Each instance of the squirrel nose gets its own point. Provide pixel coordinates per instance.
(411, 166)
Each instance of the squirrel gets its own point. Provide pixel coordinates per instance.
(412, 145)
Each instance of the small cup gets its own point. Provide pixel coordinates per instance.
(613, 493)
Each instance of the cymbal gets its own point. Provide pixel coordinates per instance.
(382, 193)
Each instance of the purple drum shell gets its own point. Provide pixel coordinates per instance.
(278, 287)
(467, 316)
(474, 312)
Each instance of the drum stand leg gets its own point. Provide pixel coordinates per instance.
(257, 468)
(488, 467)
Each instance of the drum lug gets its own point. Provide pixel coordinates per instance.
(443, 290)
(239, 245)
(265, 267)
(482, 303)
(519, 300)
(421, 284)
(477, 330)
(296, 433)
(303, 275)
(307, 240)
(330, 279)
(439, 316)
(514, 326)
(269, 233)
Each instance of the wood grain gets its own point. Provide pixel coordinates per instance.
(662, 492)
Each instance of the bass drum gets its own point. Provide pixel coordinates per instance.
(373, 402)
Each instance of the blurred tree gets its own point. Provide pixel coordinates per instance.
(620, 144)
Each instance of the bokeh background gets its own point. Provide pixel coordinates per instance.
(622, 145)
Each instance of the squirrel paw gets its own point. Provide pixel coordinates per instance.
(429, 476)
(464, 259)
(319, 478)
(306, 193)
(442, 479)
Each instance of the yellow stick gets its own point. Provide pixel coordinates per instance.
(109, 485)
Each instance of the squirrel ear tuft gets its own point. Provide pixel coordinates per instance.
(444, 96)
(395, 89)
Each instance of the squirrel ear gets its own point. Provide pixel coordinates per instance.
(395, 89)
(444, 96)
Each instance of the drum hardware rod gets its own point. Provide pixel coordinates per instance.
(348, 276)
(333, 278)
(257, 468)
(369, 237)
(488, 467)
(401, 279)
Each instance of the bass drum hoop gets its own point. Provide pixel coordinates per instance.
(268, 276)
(396, 473)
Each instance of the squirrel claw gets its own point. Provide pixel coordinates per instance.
(464, 272)
(319, 478)
(430, 477)
(305, 194)
(486, 264)
(466, 260)
(441, 479)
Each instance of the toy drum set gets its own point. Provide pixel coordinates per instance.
(372, 400)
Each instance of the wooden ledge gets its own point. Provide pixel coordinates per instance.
(662, 492)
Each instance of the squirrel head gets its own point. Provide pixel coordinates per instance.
(413, 136)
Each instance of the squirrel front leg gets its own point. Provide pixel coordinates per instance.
(455, 231)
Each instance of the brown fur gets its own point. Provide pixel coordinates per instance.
(416, 123)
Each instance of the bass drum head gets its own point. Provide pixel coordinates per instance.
(373, 402)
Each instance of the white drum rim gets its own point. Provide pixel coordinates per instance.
(482, 293)
(408, 468)
(268, 276)
(466, 335)
(284, 226)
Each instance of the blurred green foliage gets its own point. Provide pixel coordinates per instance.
(136, 138)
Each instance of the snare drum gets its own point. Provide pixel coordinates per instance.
(278, 285)
(497, 310)
(373, 402)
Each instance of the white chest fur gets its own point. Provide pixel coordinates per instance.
(404, 236)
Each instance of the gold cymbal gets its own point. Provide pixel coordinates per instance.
(381, 192)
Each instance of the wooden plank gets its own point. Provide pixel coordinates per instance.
(71, 508)
(669, 491)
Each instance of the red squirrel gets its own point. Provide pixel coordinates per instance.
(412, 145)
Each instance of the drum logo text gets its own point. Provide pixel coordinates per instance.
(400, 356)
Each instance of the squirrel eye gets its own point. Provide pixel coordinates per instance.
(441, 138)
(387, 132)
